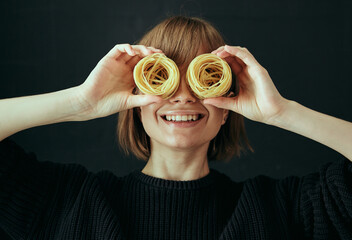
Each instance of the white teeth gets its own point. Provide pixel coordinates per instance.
(183, 118)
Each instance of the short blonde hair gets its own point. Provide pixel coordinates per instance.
(180, 38)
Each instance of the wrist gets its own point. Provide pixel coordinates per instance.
(17, 114)
(283, 118)
(79, 108)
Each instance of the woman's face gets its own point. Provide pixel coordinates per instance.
(182, 122)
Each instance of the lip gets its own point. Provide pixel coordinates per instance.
(182, 124)
(180, 112)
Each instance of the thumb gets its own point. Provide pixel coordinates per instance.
(222, 102)
(142, 100)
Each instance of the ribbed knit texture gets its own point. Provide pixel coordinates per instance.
(45, 200)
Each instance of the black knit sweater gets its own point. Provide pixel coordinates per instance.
(45, 200)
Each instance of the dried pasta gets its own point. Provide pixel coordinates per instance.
(209, 76)
(157, 75)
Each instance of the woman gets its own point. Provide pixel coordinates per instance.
(175, 196)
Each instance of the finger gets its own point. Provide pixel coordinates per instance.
(115, 52)
(125, 57)
(133, 61)
(155, 49)
(143, 100)
(118, 49)
(243, 54)
(225, 54)
(142, 50)
(243, 65)
(129, 50)
(145, 51)
(222, 102)
(235, 63)
(218, 50)
(235, 66)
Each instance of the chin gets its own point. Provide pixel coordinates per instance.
(183, 143)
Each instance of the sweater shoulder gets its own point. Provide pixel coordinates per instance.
(32, 189)
(314, 205)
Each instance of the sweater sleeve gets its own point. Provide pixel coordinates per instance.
(325, 202)
(31, 190)
(315, 206)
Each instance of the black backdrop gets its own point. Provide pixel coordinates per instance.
(305, 45)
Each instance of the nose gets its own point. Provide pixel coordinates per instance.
(183, 94)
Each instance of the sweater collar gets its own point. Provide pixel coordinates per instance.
(175, 184)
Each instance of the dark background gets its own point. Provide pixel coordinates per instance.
(51, 45)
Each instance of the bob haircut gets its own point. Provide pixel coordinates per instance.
(180, 38)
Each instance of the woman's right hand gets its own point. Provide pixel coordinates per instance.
(108, 88)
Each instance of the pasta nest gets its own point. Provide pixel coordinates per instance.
(157, 74)
(209, 76)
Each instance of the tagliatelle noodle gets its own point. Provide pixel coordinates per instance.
(157, 74)
(209, 76)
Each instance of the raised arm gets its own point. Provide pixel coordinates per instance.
(259, 100)
(107, 90)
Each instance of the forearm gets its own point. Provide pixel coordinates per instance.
(21, 113)
(330, 131)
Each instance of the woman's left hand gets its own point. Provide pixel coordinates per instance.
(258, 98)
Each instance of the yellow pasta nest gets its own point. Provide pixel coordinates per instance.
(209, 76)
(157, 75)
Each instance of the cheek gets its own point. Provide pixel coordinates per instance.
(217, 115)
(146, 115)
(148, 112)
(215, 121)
(149, 119)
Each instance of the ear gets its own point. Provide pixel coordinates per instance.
(224, 115)
(226, 112)
(136, 91)
(230, 94)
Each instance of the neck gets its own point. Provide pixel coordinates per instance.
(175, 164)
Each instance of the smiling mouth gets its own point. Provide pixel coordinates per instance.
(182, 118)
